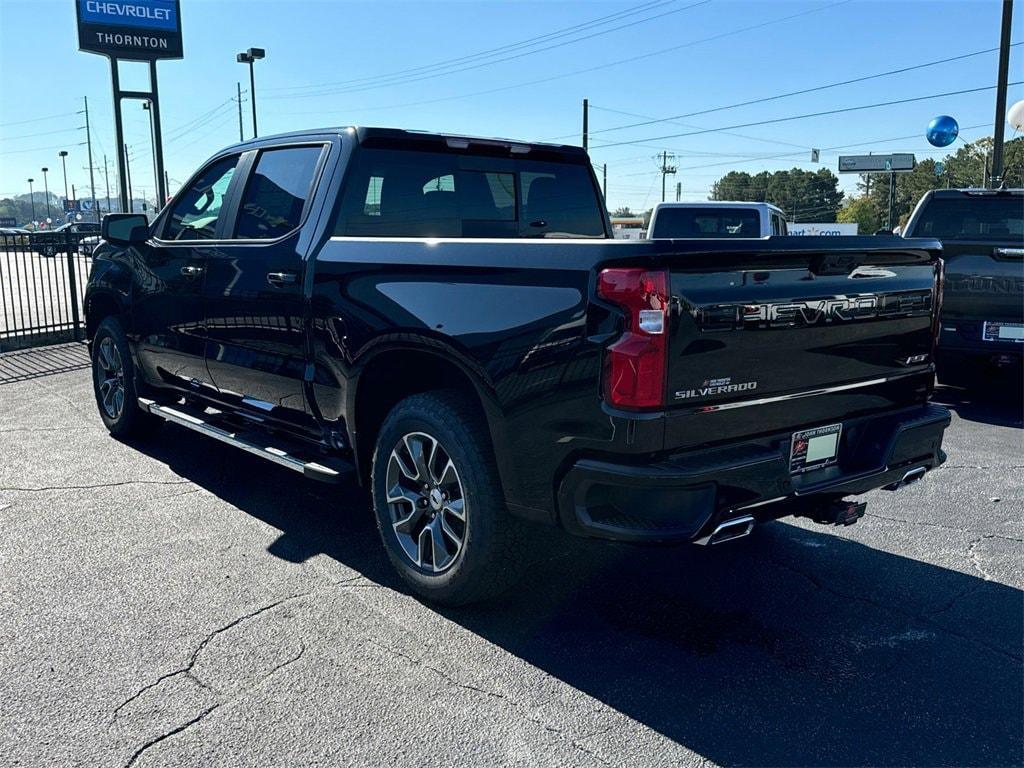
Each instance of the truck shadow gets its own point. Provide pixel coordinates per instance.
(791, 647)
(1000, 403)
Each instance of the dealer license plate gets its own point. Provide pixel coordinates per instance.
(1003, 332)
(814, 448)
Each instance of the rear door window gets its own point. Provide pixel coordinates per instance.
(277, 191)
(973, 217)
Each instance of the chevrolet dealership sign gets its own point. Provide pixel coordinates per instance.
(140, 30)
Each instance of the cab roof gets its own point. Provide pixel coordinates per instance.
(398, 138)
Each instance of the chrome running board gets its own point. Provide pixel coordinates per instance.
(328, 471)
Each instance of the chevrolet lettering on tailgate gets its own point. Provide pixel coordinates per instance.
(835, 309)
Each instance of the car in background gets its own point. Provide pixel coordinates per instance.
(717, 219)
(53, 241)
(14, 237)
(982, 319)
(88, 244)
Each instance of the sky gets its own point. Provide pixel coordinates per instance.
(417, 65)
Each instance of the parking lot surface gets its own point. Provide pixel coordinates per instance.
(177, 602)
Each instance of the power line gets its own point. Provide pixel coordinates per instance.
(447, 63)
(44, 133)
(406, 80)
(37, 119)
(800, 92)
(824, 113)
(608, 65)
(40, 149)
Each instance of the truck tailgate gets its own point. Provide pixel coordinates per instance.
(797, 315)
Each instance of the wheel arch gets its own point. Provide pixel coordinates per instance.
(398, 371)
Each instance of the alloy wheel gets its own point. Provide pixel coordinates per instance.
(110, 378)
(426, 502)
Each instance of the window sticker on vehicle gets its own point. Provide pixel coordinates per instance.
(1003, 332)
(814, 448)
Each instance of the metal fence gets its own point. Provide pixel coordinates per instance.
(42, 280)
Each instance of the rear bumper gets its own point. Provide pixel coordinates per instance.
(681, 497)
(961, 341)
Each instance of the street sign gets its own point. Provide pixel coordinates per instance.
(87, 206)
(135, 30)
(815, 155)
(940, 168)
(876, 163)
(71, 206)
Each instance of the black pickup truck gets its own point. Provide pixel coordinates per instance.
(450, 320)
(982, 323)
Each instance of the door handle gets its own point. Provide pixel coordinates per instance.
(282, 278)
(190, 270)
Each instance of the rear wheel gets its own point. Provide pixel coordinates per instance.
(114, 382)
(438, 501)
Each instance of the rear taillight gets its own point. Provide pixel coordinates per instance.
(634, 367)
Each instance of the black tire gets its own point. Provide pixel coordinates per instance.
(110, 354)
(486, 563)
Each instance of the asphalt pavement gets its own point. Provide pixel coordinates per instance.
(176, 602)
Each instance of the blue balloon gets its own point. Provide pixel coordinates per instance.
(942, 131)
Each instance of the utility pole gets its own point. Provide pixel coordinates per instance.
(128, 179)
(586, 122)
(167, 187)
(106, 175)
(666, 169)
(241, 136)
(892, 199)
(92, 180)
(604, 181)
(679, 191)
(996, 178)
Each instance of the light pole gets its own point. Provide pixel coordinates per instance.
(32, 199)
(63, 154)
(249, 57)
(46, 186)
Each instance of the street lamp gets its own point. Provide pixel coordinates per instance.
(64, 162)
(32, 200)
(46, 186)
(249, 57)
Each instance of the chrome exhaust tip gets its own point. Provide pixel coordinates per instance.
(728, 530)
(909, 478)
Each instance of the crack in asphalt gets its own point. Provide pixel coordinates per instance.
(923, 617)
(93, 486)
(187, 669)
(944, 527)
(166, 735)
(575, 743)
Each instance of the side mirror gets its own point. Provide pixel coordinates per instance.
(125, 228)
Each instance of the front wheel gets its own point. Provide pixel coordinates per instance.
(114, 383)
(438, 501)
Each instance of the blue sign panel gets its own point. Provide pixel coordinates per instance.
(145, 14)
(130, 29)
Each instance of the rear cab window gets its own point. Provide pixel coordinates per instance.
(973, 217)
(708, 222)
(410, 193)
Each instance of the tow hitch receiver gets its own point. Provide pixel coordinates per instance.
(837, 513)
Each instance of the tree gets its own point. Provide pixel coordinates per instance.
(803, 195)
(862, 212)
(623, 212)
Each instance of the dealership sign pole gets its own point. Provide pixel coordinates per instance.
(132, 30)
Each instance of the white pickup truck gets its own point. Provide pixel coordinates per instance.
(716, 219)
